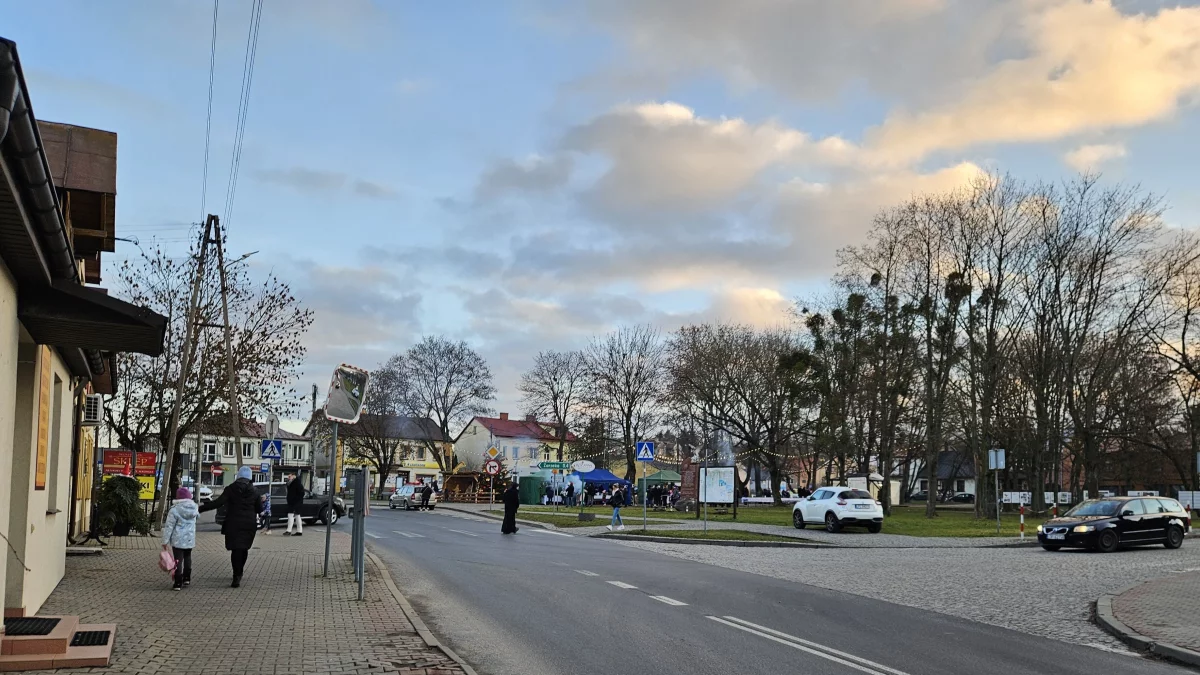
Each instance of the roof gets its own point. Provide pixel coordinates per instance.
(952, 464)
(218, 425)
(394, 426)
(531, 429)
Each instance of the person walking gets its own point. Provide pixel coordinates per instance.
(618, 498)
(242, 505)
(570, 494)
(426, 493)
(512, 501)
(295, 505)
(179, 535)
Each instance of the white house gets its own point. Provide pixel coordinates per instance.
(217, 452)
(522, 443)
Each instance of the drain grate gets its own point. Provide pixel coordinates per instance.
(90, 638)
(29, 625)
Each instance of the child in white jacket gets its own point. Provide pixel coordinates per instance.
(179, 535)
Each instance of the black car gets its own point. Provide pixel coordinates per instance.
(919, 496)
(1105, 524)
(963, 498)
(316, 507)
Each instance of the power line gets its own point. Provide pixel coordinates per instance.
(243, 108)
(212, 65)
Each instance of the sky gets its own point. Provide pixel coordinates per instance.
(526, 175)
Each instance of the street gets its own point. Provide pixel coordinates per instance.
(551, 602)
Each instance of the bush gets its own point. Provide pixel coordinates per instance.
(118, 504)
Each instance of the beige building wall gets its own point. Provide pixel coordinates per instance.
(9, 336)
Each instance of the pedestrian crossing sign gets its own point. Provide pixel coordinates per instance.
(645, 451)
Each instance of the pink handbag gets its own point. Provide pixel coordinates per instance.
(166, 561)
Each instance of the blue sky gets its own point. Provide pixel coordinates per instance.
(524, 175)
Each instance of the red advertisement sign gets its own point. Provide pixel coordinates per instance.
(118, 462)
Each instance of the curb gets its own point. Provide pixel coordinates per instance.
(712, 542)
(529, 523)
(1115, 627)
(413, 618)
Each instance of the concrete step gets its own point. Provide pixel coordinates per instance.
(54, 643)
(84, 656)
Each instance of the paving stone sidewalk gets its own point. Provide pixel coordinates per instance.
(1164, 610)
(285, 619)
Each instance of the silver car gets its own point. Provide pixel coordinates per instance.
(408, 497)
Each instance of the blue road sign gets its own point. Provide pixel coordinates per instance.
(264, 468)
(645, 451)
(272, 449)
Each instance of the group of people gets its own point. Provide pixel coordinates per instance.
(243, 508)
(662, 495)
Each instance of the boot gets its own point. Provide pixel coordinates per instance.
(237, 581)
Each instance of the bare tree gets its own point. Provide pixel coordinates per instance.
(626, 379)
(554, 387)
(377, 438)
(447, 382)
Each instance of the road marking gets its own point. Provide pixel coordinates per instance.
(669, 601)
(621, 584)
(373, 536)
(410, 535)
(813, 648)
(587, 573)
(561, 534)
(469, 534)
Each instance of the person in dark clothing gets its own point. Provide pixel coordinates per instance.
(242, 505)
(295, 504)
(549, 494)
(512, 500)
(570, 494)
(426, 493)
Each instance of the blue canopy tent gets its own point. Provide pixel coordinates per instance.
(605, 478)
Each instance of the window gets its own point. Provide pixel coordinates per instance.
(297, 451)
(855, 494)
(421, 453)
(247, 449)
(228, 449)
(1137, 506)
(504, 451)
(1170, 506)
(924, 485)
(533, 453)
(960, 485)
(210, 451)
(546, 453)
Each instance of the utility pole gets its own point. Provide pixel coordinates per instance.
(231, 373)
(312, 445)
(185, 369)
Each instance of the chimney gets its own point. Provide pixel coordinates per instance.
(531, 418)
(503, 417)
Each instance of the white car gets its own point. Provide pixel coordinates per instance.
(836, 507)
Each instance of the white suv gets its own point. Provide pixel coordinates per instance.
(836, 507)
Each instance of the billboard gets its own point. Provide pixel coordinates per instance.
(716, 485)
(118, 461)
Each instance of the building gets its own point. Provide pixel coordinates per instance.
(57, 334)
(414, 439)
(218, 461)
(522, 443)
(955, 474)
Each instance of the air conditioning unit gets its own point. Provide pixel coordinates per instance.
(93, 410)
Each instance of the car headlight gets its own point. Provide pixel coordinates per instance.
(1084, 528)
(1039, 528)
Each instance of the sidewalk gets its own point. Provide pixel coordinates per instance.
(285, 619)
(1162, 613)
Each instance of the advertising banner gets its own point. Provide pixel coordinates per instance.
(716, 485)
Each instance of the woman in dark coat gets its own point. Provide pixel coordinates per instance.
(512, 500)
(242, 505)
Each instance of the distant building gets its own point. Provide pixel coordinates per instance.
(522, 443)
(219, 461)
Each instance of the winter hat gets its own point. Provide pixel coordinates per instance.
(245, 472)
(183, 493)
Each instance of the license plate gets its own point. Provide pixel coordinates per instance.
(1056, 536)
(862, 506)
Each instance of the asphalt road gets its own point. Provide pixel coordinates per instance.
(547, 602)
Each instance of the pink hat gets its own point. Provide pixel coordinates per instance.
(183, 493)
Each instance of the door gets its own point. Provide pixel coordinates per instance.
(813, 508)
(1131, 526)
(1154, 523)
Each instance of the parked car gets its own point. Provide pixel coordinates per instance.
(963, 498)
(837, 507)
(1112, 522)
(407, 497)
(921, 496)
(206, 493)
(315, 507)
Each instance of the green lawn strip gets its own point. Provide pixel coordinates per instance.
(908, 520)
(712, 535)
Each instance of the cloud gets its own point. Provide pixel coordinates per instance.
(1090, 157)
(308, 181)
(534, 174)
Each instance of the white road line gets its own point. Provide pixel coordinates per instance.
(410, 535)
(587, 573)
(469, 534)
(561, 534)
(621, 584)
(669, 601)
(373, 536)
(816, 649)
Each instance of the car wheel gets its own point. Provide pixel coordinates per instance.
(391, 506)
(798, 520)
(1174, 537)
(1106, 542)
(1051, 547)
(328, 516)
(832, 524)
(874, 528)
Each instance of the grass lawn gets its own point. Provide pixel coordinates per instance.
(572, 519)
(720, 535)
(908, 520)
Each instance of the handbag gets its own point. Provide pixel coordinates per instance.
(166, 561)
